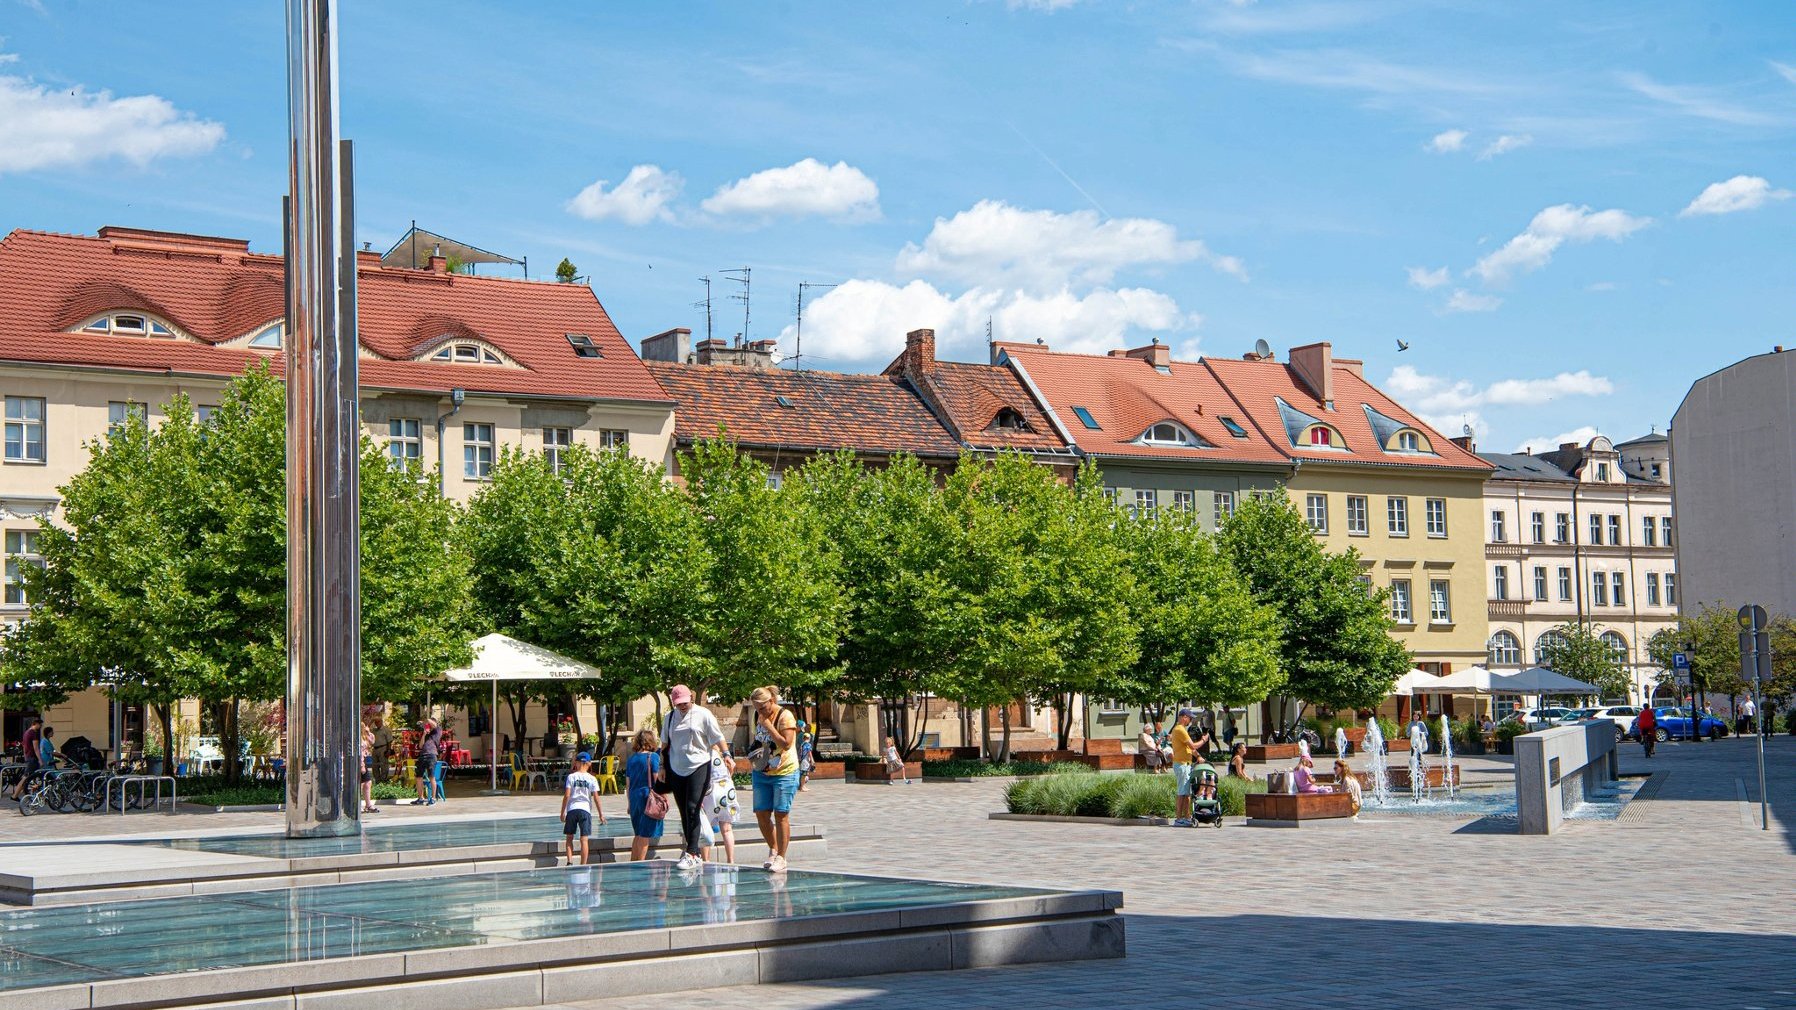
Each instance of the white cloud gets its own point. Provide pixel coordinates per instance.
(643, 196)
(1447, 141)
(1504, 144)
(42, 128)
(1465, 301)
(1532, 392)
(1603, 286)
(806, 188)
(1784, 70)
(1696, 102)
(996, 245)
(1446, 403)
(1426, 279)
(1550, 229)
(1742, 192)
(864, 321)
(1542, 443)
(1039, 5)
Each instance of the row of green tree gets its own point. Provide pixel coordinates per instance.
(993, 583)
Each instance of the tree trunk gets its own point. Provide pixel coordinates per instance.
(1004, 739)
(228, 743)
(165, 721)
(985, 732)
(517, 707)
(1063, 713)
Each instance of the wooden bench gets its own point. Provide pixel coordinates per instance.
(1260, 753)
(1288, 810)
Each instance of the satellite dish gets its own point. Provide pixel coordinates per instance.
(1466, 430)
(1262, 348)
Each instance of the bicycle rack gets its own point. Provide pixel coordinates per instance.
(143, 782)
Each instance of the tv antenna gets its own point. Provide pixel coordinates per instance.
(706, 305)
(741, 338)
(798, 334)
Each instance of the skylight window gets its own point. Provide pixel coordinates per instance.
(1233, 426)
(1085, 418)
(583, 346)
(783, 401)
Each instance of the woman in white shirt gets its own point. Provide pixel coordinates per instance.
(688, 738)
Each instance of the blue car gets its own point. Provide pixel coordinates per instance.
(1674, 724)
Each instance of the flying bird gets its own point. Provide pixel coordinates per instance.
(1401, 346)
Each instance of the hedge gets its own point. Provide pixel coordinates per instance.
(975, 769)
(1120, 796)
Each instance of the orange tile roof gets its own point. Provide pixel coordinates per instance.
(972, 395)
(1259, 385)
(1126, 396)
(216, 290)
(829, 410)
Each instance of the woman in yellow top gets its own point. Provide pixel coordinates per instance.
(775, 757)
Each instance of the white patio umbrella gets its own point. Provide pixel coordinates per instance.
(1473, 680)
(501, 657)
(1406, 685)
(1542, 681)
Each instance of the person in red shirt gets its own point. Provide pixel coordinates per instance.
(1647, 724)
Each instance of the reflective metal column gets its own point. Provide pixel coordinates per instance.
(323, 442)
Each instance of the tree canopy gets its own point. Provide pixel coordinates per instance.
(1580, 652)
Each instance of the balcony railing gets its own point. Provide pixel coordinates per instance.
(1507, 610)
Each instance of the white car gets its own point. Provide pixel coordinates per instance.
(1621, 715)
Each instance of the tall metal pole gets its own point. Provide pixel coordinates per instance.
(323, 431)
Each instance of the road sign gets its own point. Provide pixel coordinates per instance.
(1680, 661)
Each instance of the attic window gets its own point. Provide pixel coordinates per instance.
(467, 354)
(1085, 418)
(1320, 435)
(129, 324)
(783, 401)
(583, 346)
(1409, 440)
(1166, 433)
(1233, 426)
(270, 337)
(1009, 419)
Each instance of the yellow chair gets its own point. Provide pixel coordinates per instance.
(522, 773)
(408, 771)
(607, 775)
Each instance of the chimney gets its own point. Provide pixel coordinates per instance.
(1314, 364)
(919, 352)
(712, 351)
(367, 258)
(1569, 447)
(1155, 354)
(439, 264)
(668, 345)
(1464, 442)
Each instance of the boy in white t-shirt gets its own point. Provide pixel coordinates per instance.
(579, 805)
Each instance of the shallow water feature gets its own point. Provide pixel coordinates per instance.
(395, 838)
(1604, 806)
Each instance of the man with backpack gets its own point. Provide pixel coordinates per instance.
(1647, 725)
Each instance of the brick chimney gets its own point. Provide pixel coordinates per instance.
(1156, 354)
(439, 264)
(1465, 442)
(919, 352)
(1314, 364)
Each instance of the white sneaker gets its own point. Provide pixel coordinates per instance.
(777, 864)
(767, 864)
(687, 861)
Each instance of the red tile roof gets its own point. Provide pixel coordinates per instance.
(1258, 385)
(829, 410)
(216, 290)
(1126, 396)
(973, 395)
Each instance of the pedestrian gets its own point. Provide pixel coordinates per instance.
(46, 747)
(775, 761)
(688, 738)
(29, 752)
(368, 806)
(640, 773)
(430, 741)
(1347, 782)
(579, 805)
(894, 763)
(1180, 739)
(1749, 716)
(1646, 724)
(807, 761)
(720, 809)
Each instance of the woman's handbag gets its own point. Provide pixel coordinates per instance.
(655, 806)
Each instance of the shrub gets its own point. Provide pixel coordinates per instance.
(237, 796)
(1233, 794)
(1509, 729)
(972, 769)
(1790, 722)
(1143, 796)
(392, 791)
(1120, 796)
(1389, 728)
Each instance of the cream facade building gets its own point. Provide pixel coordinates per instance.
(453, 368)
(1581, 533)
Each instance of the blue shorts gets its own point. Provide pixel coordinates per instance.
(775, 792)
(577, 823)
(1181, 777)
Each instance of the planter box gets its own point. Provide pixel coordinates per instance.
(828, 770)
(1292, 809)
(1396, 746)
(947, 754)
(874, 771)
(1109, 762)
(1436, 776)
(1104, 746)
(1262, 752)
(1046, 756)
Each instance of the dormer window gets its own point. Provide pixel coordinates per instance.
(1009, 419)
(467, 354)
(1321, 436)
(1602, 473)
(269, 338)
(1166, 433)
(129, 324)
(1409, 440)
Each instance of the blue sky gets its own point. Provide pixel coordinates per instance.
(1568, 211)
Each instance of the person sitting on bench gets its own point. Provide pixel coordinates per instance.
(1306, 781)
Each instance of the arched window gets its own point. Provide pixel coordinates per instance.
(1505, 649)
(129, 324)
(1166, 433)
(1321, 436)
(1009, 419)
(467, 354)
(1618, 646)
(1409, 440)
(269, 337)
(1545, 644)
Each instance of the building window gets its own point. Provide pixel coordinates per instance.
(205, 412)
(1618, 588)
(119, 411)
(1110, 494)
(1437, 517)
(614, 438)
(1147, 500)
(1315, 509)
(1505, 649)
(1562, 528)
(1358, 515)
(1615, 531)
(21, 550)
(1400, 602)
(1440, 608)
(1408, 441)
(1499, 532)
(477, 451)
(1596, 531)
(1537, 524)
(1396, 513)
(555, 444)
(1618, 646)
(1565, 585)
(24, 429)
(1321, 436)
(1652, 589)
(1085, 418)
(1657, 471)
(467, 354)
(1166, 434)
(1499, 577)
(269, 338)
(1233, 426)
(774, 479)
(1665, 530)
(1364, 582)
(1540, 582)
(1602, 472)
(405, 442)
(1545, 644)
(1599, 589)
(1224, 504)
(1671, 590)
(1649, 532)
(1184, 501)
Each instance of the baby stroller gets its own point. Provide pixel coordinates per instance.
(81, 751)
(1205, 811)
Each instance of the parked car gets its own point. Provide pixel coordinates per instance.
(1674, 724)
(1544, 716)
(1622, 716)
